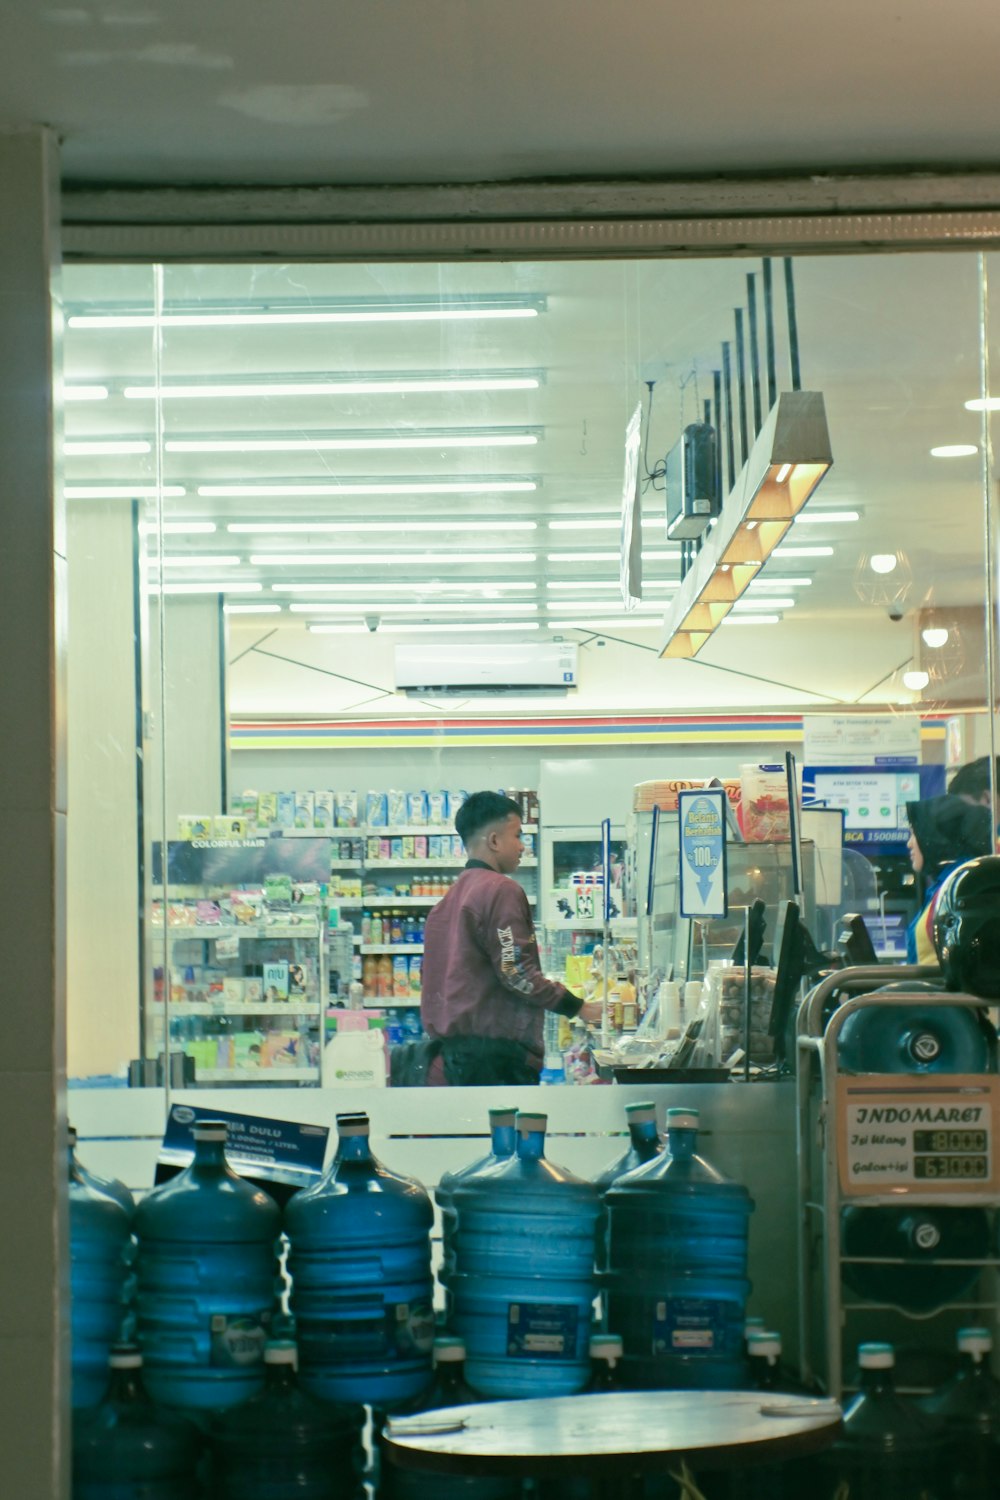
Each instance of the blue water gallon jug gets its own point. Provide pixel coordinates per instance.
(968, 1409)
(889, 1450)
(921, 1238)
(524, 1279)
(207, 1276)
(502, 1139)
(109, 1186)
(285, 1444)
(99, 1250)
(922, 1038)
(128, 1449)
(644, 1144)
(362, 1292)
(677, 1266)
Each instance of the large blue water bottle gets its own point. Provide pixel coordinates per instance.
(99, 1244)
(502, 1141)
(889, 1450)
(923, 1038)
(128, 1449)
(644, 1144)
(915, 1240)
(524, 1279)
(109, 1186)
(968, 1407)
(207, 1277)
(286, 1445)
(362, 1292)
(677, 1267)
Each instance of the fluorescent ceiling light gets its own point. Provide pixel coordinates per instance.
(398, 627)
(204, 560)
(735, 619)
(388, 559)
(251, 609)
(987, 403)
(780, 552)
(277, 317)
(916, 680)
(123, 492)
(207, 588)
(826, 517)
(85, 393)
(428, 385)
(882, 562)
(597, 606)
(356, 607)
(337, 445)
(602, 523)
(934, 636)
(288, 491)
(176, 528)
(955, 450)
(625, 622)
(402, 523)
(604, 583)
(766, 601)
(487, 590)
(564, 557)
(777, 582)
(80, 449)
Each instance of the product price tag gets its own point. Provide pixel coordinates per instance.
(933, 1138)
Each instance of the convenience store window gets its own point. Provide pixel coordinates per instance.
(299, 495)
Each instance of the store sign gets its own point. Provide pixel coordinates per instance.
(861, 739)
(917, 1133)
(630, 568)
(278, 1155)
(702, 821)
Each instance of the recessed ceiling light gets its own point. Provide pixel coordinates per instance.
(916, 680)
(955, 450)
(934, 636)
(415, 607)
(428, 385)
(318, 444)
(123, 492)
(403, 487)
(882, 562)
(379, 560)
(251, 609)
(401, 523)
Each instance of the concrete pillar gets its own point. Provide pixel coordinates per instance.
(34, 1323)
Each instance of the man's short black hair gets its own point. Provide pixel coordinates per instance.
(973, 780)
(480, 810)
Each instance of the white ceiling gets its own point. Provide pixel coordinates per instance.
(388, 91)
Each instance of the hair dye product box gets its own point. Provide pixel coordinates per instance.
(305, 809)
(385, 848)
(457, 847)
(267, 809)
(376, 809)
(347, 809)
(275, 980)
(456, 797)
(437, 808)
(395, 807)
(253, 990)
(406, 846)
(419, 846)
(234, 989)
(229, 826)
(324, 809)
(286, 810)
(416, 808)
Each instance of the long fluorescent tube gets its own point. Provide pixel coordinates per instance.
(100, 446)
(397, 627)
(123, 492)
(402, 523)
(176, 528)
(984, 403)
(954, 450)
(766, 601)
(659, 555)
(375, 606)
(737, 619)
(207, 588)
(590, 584)
(387, 387)
(85, 393)
(827, 517)
(333, 445)
(602, 523)
(289, 491)
(428, 590)
(204, 560)
(626, 622)
(780, 552)
(388, 559)
(277, 317)
(597, 606)
(251, 609)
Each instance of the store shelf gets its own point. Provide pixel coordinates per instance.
(433, 864)
(346, 864)
(280, 933)
(307, 1005)
(392, 948)
(400, 901)
(258, 1075)
(362, 830)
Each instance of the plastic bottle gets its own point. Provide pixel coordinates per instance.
(889, 1450)
(375, 929)
(110, 1186)
(644, 1144)
(605, 1362)
(383, 977)
(928, 1038)
(128, 1449)
(99, 1243)
(921, 1237)
(968, 1407)
(764, 1356)
(360, 1262)
(285, 1443)
(677, 1266)
(369, 977)
(502, 1142)
(524, 1279)
(752, 1325)
(207, 1277)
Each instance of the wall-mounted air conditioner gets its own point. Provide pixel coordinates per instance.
(489, 669)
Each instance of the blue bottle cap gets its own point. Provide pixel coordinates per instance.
(876, 1356)
(530, 1122)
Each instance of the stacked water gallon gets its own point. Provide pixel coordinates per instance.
(100, 1216)
(523, 1282)
(644, 1144)
(503, 1138)
(126, 1448)
(677, 1267)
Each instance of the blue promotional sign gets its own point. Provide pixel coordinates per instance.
(280, 1156)
(702, 820)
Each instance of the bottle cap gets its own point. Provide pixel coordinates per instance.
(281, 1352)
(752, 1325)
(527, 1123)
(125, 1357)
(975, 1341)
(448, 1350)
(502, 1117)
(764, 1344)
(355, 1124)
(607, 1346)
(692, 990)
(641, 1114)
(71, 1134)
(210, 1130)
(682, 1119)
(876, 1356)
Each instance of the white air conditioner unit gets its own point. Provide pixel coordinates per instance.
(486, 669)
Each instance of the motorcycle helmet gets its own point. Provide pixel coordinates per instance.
(967, 928)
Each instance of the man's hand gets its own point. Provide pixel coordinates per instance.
(591, 1011)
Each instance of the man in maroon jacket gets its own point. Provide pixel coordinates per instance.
(484, 995)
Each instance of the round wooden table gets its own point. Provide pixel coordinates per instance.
(624, 1434)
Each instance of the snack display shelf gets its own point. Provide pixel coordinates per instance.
(429, 864)
(300, 1006)
(258, 1075)
(392, 948)
(280, 933)
(362, 830)
(398, 901)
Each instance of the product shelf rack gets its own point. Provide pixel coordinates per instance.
(822, 1095)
